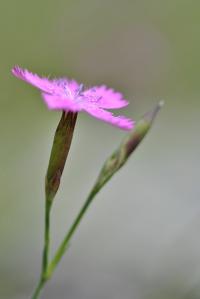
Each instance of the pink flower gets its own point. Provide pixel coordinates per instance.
(68, 95)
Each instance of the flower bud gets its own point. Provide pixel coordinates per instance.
(127, 147)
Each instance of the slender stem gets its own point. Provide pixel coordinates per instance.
(47, 270)
(64, 245)
(38, 289)
(46, 235)
(43, 279)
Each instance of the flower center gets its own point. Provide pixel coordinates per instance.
(80, 89)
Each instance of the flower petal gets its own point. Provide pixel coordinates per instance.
(65, 94)
(57, 102)
(43, 84)
(106, 97)
(107, 116)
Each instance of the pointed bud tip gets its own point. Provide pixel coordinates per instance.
(150, 116)
(161, 103)
(158, 107)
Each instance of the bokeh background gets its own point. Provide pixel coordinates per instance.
(140, 239)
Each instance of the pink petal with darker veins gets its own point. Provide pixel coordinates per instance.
(43, 84)
(106, 97)
(65, 94)
(107, 116)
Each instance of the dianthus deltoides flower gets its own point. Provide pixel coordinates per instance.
(69, 95)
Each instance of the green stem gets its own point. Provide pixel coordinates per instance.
(46, 235)
(64, 245)
(43, 279)
(38, 289)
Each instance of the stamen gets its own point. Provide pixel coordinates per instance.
(80, 89)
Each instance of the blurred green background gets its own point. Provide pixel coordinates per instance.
(140, 238)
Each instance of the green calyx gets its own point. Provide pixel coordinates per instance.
(60, 149)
